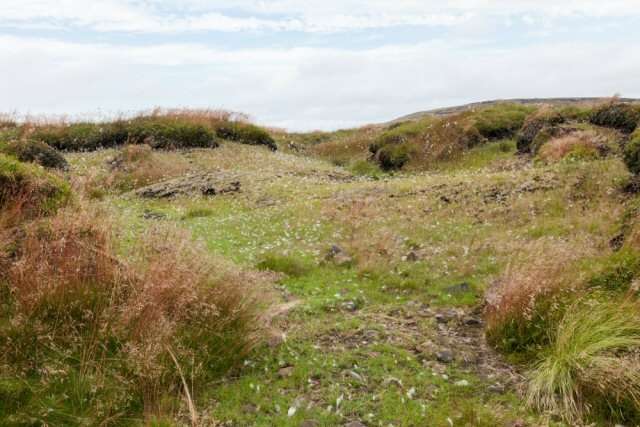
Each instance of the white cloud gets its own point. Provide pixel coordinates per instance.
(279, 15)
(304, 87)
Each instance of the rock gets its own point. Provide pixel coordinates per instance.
(249, 408)
(462, 383)
(444, 315)
(470, 321)
(527, 187)
(356, 376)
(149, 214)
(333, 251)
(342, 259)
(207, 184)
(445, 355)
(411, 256)
(428, 348)
(350, 305)
(495, 389)
(371, 334)
(355, 424)
(285, 372)
(439, 369)
(309, 423)
(617, 241)
(458, 289)
(325, 339)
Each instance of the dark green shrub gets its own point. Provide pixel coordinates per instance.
(246, 133)
(396, 134)
(293, 267)
(547, 120)
(543, 136)
(158, 132)
(365, 168)
(535, 124)
(621, 116)
(631, 154)
(167, 133)
(28, 190)
(395, 156)
(36, 152)
(83, 136)
(500, 121)
(521, 338)
(617, 271)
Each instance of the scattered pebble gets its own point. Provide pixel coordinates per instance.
(445, 356)
(285, 372)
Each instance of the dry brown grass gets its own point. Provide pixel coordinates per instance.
(528, 297)
(584, 141)
(204, 116)
(179, 312)
(138, 165)
(443, 139)
(345, 149)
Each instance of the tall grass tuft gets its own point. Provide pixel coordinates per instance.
(79, 320)
(590, 364)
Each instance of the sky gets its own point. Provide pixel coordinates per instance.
(312, 64)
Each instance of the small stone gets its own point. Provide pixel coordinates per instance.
(497, 388)
(324, 338)
(285, 372)
(462, 383)
(427, 347)
(444, 315)
(342, 259)
(356, 376)
(355, 424)
(333, 251)
(309, 423)
(527, 187)
(439, 369)
(249, 408)
(350, 305)
(470, 321)
(459, 288)
(445, 356)
(411, 256)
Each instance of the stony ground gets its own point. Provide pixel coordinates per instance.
(386, 329)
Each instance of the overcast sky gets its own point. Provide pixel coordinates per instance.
(312, 64)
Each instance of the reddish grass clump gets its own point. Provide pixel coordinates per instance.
(178, 313)
(526, 301)
(580, 143)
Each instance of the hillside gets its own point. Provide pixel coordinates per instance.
(465, 268)
(556, 102)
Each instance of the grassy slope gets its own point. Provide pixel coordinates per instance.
(469, 220)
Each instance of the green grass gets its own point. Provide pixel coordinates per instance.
(469, 218)
(580, 369)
